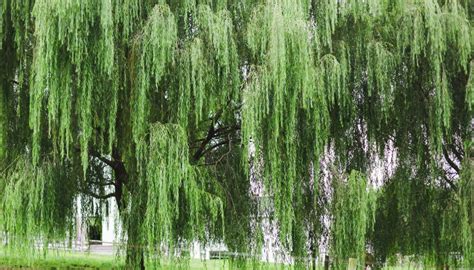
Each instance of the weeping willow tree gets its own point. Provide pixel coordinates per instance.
(172, 107)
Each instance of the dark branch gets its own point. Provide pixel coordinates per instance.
(215, 132)
(109, 162)
(214, 147)
(218, 133)
(97, 196)
(450, 182)
(450, 161)
(226, 130)
(229, 141)
(121, 175)
(209, 136)
(108, 183)
(459, 154)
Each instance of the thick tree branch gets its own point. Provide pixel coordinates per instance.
(450, 182)
(97, 196)
(459, 154)
(226, 130)
(214, 147)
(214, 132)
(209, 136)
(109, 162)
(218, 133)
(101, 184)
(450, 161)
(121, 175)
(229, 141)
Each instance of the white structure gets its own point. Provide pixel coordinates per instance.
(110, 225)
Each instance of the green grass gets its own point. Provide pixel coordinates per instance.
(68, 260)
(78, 260)
(61, 260)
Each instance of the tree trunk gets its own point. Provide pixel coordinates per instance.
(135, 258)
(471, 167)
(313, 250)
(326, 262)
(135, 253)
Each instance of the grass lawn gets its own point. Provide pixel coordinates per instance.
(61, 260)
(78, 260)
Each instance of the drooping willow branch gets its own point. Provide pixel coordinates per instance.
(96, 89)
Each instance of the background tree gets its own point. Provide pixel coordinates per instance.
(171, 107)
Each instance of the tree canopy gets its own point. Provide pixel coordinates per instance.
(178, 109)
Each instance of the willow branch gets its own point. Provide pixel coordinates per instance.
(450, 182)
(214, 147)
(218, 133)
(228, 141)
(209, 136)
(459, 155)
(108, 183)
(97, 196)
(109, 162)
(450, 161)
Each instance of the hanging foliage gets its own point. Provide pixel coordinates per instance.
(173, 191)
(36, 210)
(208, 70)
(184, 111)
(157, 47)
(466, 198)
(354, 216)
(63, 72)
(4, 123)
(279, 39)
